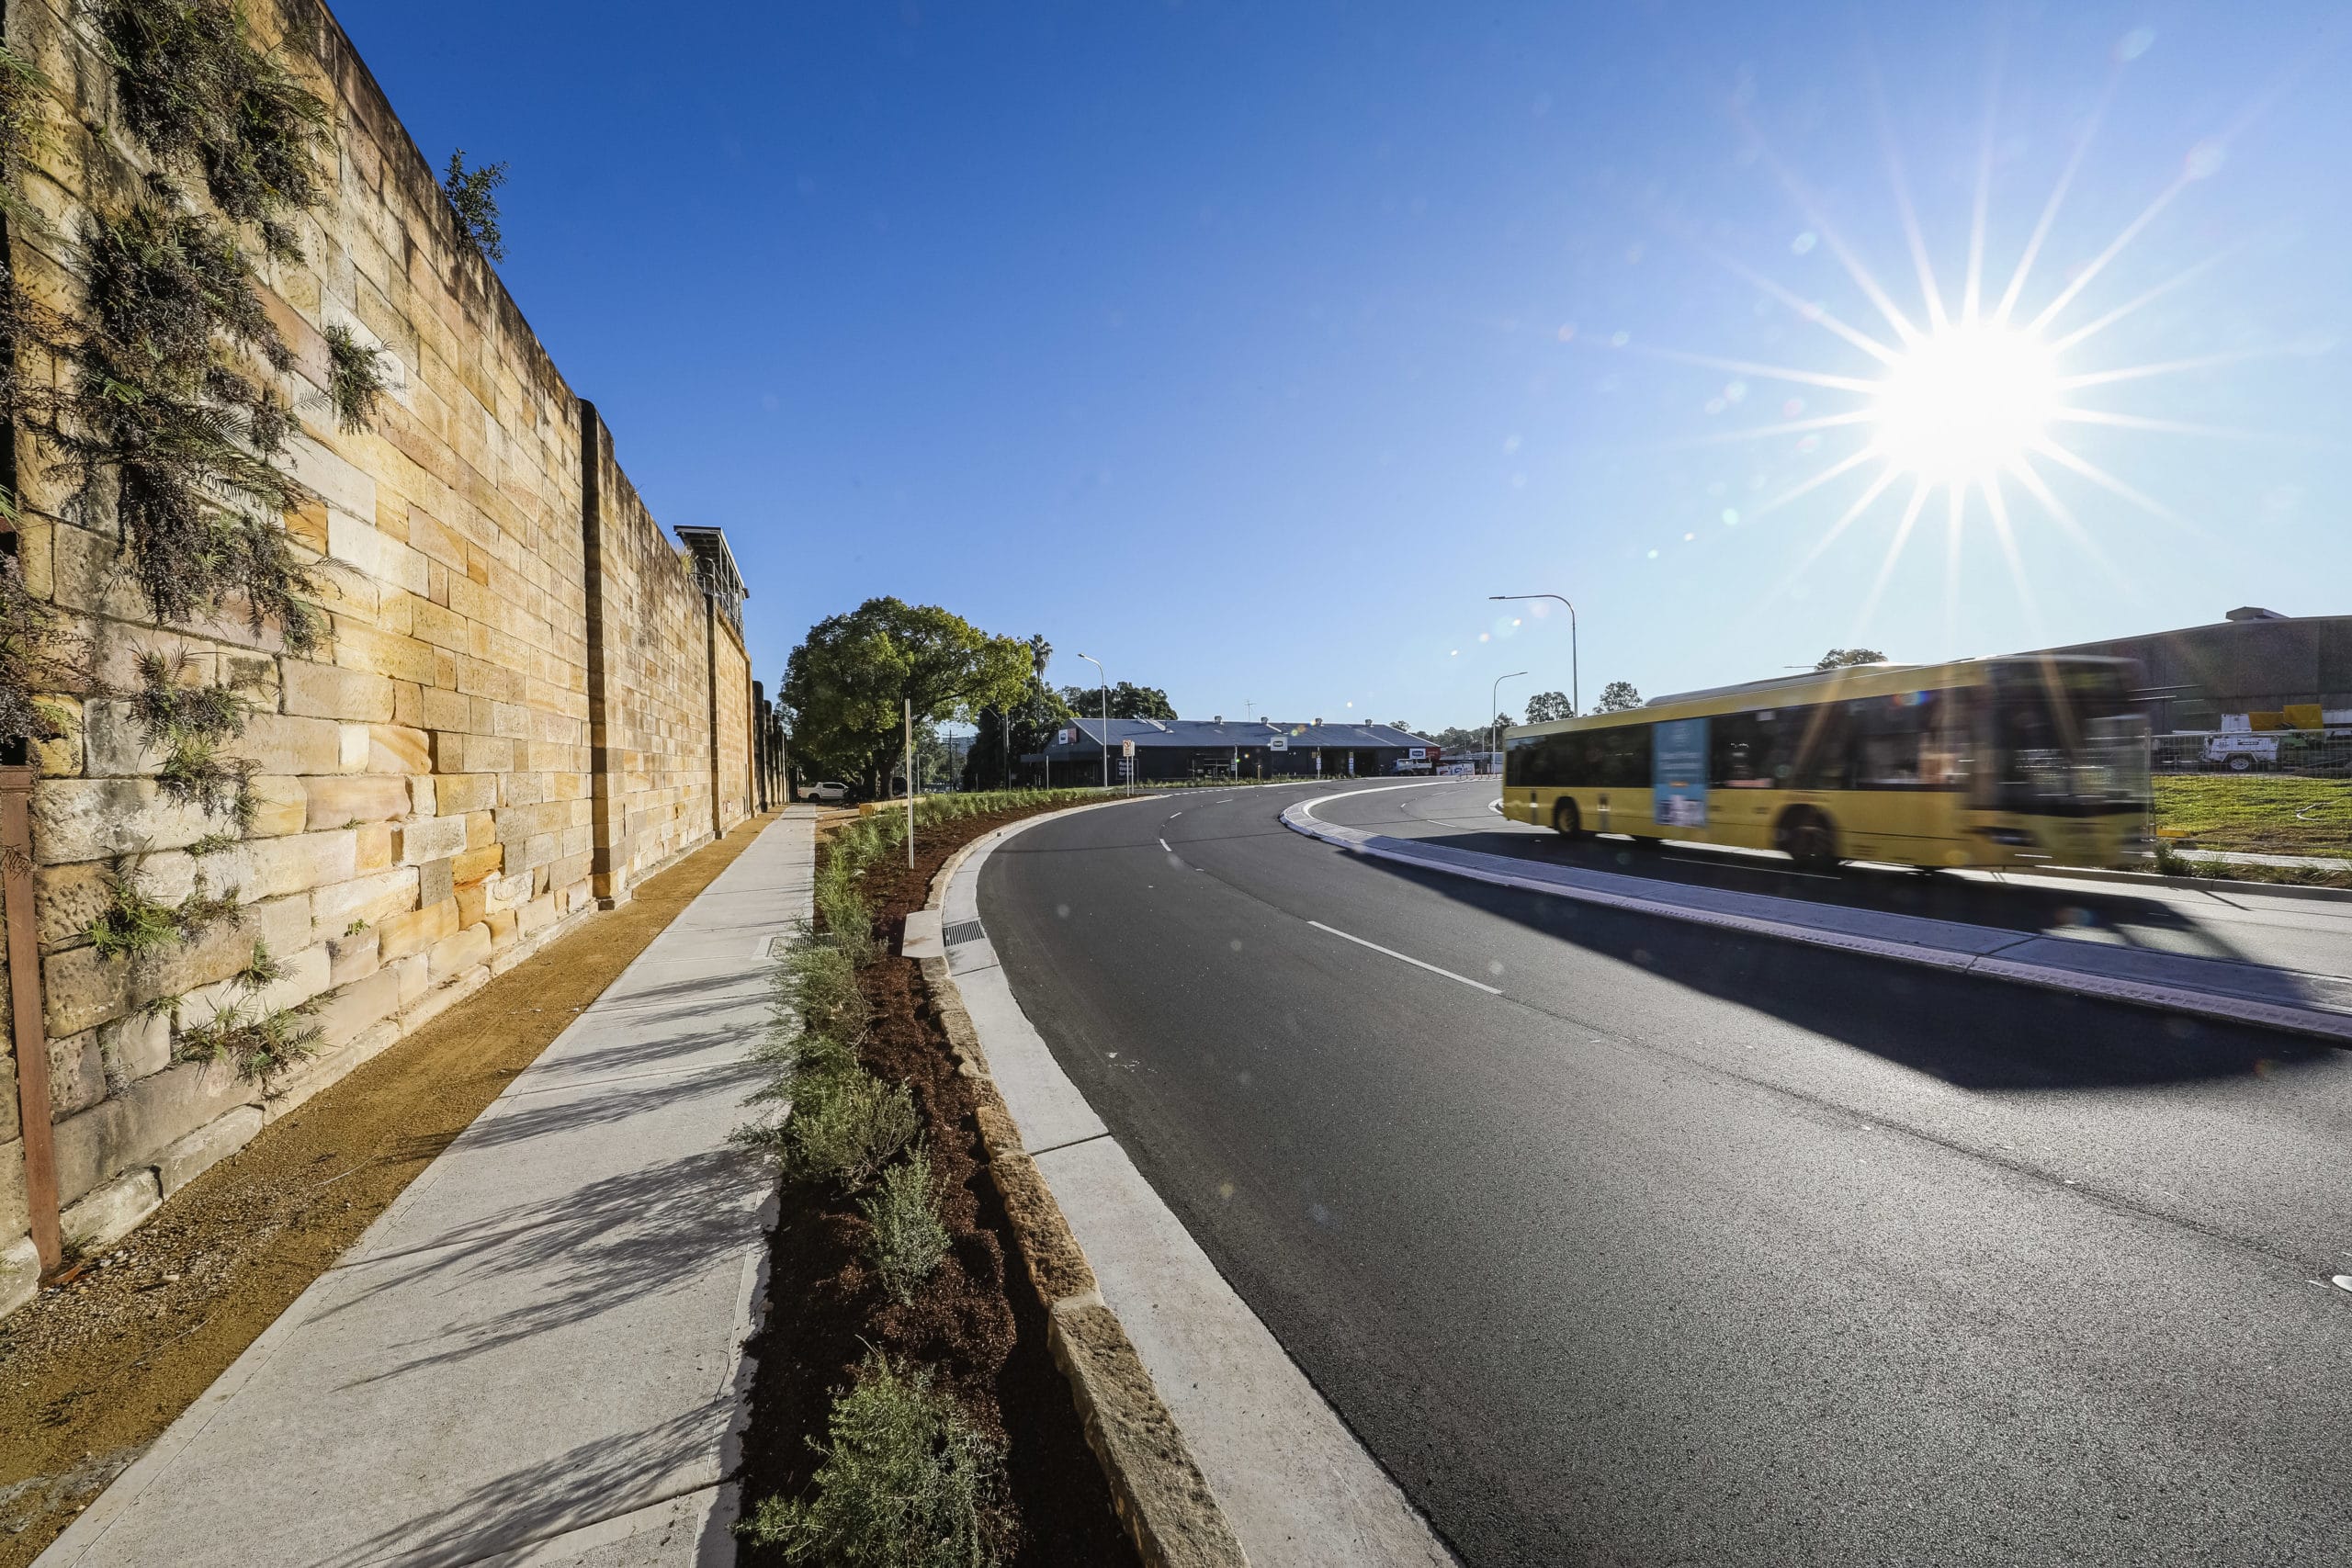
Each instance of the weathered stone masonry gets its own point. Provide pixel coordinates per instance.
(530, 698)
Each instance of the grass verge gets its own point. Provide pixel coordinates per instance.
(2268, 814)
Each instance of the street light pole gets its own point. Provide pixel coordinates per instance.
(1107, 719)
(1494, 731)
(1575, 702)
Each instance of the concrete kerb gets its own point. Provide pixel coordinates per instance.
(1159, 1493)
(1478, 866)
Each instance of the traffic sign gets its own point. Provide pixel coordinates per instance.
(1126, 749)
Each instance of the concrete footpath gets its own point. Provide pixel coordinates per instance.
(534, 1355)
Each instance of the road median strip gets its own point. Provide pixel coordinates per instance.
(2319, 1004)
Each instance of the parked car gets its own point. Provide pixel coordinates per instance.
(829, 790)
(2240, 750)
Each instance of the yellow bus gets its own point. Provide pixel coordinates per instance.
(1979, 762)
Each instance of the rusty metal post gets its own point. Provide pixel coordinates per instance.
(24, 998)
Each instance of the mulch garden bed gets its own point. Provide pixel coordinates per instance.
(977, 1321)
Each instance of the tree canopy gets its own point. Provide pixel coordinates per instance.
(1128, 701)
(1838, 658)
(846, 682)
(1617, 696)
(1545, 706)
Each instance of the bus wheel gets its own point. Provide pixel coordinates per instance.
(1567, 820)
(1807, 839)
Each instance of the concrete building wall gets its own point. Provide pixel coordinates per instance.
(438, 780)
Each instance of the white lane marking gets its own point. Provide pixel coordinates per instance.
(1496, 807)
(1163, 844)
(1490, 990)
(1173, 815)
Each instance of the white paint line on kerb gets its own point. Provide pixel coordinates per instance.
(1163, 844)
(1409, 958)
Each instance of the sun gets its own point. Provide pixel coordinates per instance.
(1966, 403)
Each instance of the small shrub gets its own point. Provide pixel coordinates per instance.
(846, 1126)
(908, 1239)
(906, 1480)
(354, 379)
(817, 985)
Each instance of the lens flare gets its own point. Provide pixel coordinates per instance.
(1966, 403)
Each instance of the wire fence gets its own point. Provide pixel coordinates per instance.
(2309, 753)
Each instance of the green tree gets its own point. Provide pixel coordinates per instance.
(1128, 701)
(1617, 696)
(846, 684)
(1545, 706)
(1838, 658)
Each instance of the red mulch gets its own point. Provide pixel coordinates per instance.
(978, 1322)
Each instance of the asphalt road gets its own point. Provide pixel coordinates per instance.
(1624, 1242)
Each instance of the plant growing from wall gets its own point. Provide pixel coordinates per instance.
(473, 195)
(191, 722)
(260, 1042)
(354, 378)
(133, 925)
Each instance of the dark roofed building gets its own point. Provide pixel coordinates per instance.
(1173, 748)
(2253, 661)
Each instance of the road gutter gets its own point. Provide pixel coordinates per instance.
(1276, 1467)
(1949, 945)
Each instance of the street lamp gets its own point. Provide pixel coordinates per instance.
(1107, 719)
(1574, 704)
(1494, 731)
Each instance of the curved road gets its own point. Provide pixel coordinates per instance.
(1619, 1241)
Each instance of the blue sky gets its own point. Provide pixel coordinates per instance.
(1249, 347)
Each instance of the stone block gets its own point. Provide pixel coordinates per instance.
(358, 798)
(537, 915)
(396, 749)
(481, 829)
(436, 880)
(19, 1274)
(506, 892)
(110, 1211)
(68, 899)
(78, 819)
(423, 839)
(423, 798)
(414, 974)
(16, 1211)
(375, 847)
(504, 927)
(355, 1007)
(453, 955)
(460, 793)
(446, 710)
(378, 554)
(77, 1076)
(113, 745)
(10, 1126)
(472, 903)
(365, 900)
(125, 1131)
(190, 1156)
(352, 749)
(353, 958)
(282, 806)
(322, 691)
(303, 862)
(476, 864)
(414, 932)
(136, 1047)
(280, 743)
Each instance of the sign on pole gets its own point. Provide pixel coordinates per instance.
(1127, 748)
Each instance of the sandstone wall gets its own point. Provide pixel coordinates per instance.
(511, 717)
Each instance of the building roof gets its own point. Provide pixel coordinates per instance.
(1224, 735)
